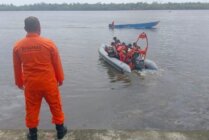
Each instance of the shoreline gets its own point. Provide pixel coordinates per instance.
(93, 134)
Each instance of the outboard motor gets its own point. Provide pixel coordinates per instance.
(138, 61)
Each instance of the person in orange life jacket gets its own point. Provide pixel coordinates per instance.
(129, 57)
(120, 46)
(115, 46)
(117, 43)
(38, 71)
(122, 50)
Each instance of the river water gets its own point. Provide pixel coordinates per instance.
(97, 96)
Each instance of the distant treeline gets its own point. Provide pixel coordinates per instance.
(105, 7)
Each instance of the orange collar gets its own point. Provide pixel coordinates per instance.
(32, 35)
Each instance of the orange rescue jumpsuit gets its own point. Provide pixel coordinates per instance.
(37, 67)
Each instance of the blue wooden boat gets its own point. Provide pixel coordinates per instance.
(147, 25)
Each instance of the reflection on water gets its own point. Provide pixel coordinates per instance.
(114, 75)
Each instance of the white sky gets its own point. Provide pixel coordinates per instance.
(22, 2)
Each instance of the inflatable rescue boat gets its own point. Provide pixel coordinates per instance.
(122, 66)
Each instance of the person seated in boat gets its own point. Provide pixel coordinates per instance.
(115, 39)
(117, 43)
(110, 51)
(114, 49)
(131, 50)
(136, 47)
(122, 51)
(112, 25)
(120, 46)
(126, 48)
(122, 56)
(129, 57)
(129, 47)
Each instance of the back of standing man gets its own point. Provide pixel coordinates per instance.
(38, 71)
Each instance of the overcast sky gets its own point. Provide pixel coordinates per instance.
(22, 2)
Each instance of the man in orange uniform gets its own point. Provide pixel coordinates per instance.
(38, 71)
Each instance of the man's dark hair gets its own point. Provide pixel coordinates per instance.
(129, 45)
(134, 44)
(32, 24)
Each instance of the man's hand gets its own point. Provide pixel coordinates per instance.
(60, 83)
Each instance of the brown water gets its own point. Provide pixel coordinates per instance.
(97, 96)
